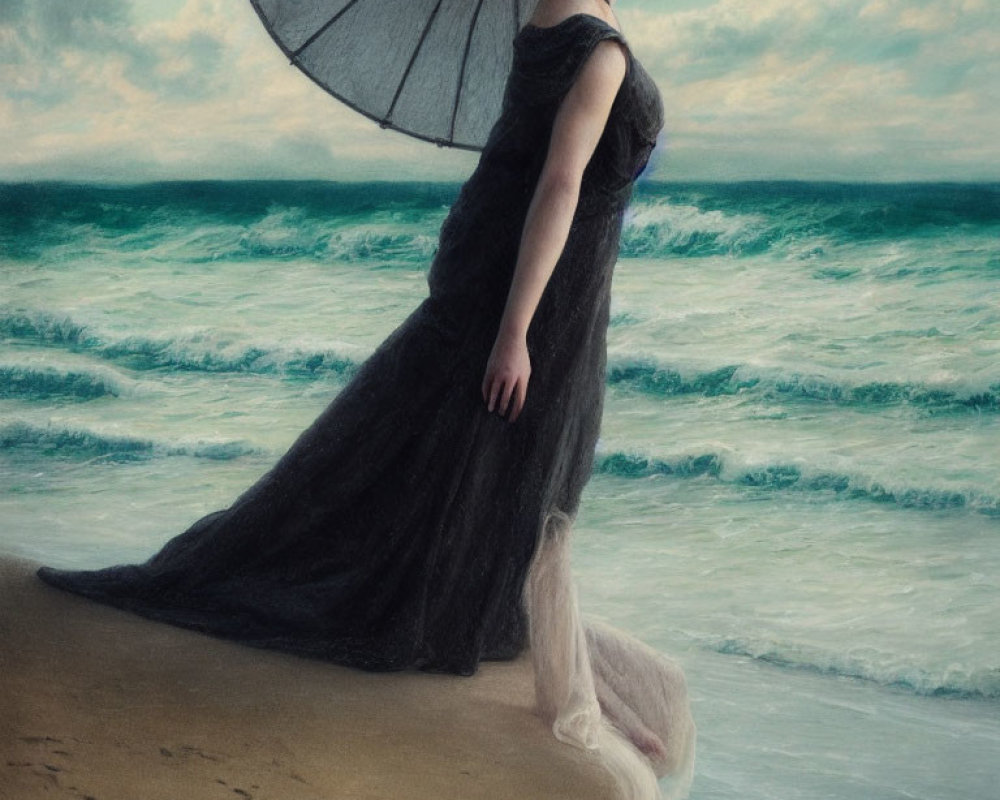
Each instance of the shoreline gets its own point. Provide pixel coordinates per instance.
(103, 704)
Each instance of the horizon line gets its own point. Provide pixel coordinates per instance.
(459, 181)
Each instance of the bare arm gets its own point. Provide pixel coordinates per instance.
(577, 127)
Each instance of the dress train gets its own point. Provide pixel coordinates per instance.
(601, 689)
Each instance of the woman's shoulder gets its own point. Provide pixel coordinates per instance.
(571, 36)
(548, 59)
(574, 27)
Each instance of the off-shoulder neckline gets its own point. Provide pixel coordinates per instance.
(531, 26)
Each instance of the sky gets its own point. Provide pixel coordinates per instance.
(859, 90)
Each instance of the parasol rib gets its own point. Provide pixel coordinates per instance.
(461, 71)
(423, 112)
(413, 57)
(322, 29)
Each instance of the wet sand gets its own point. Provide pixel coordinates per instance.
(99, 703)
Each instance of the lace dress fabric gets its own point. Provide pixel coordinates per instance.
(398, 530)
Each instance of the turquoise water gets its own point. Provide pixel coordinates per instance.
(797, 490)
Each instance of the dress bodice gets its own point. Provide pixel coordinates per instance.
(545, 64)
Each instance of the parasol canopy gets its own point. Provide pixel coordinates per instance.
(434, 69)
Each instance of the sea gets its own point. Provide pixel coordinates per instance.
(796, 493)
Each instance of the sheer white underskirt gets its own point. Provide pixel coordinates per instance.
(601, 689)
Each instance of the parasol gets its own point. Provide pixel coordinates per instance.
(434, 69)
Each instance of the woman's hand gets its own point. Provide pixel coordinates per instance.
(507, 373)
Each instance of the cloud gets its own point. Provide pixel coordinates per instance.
(88, 92)
(91, 52)
(852, 89)
(858, 88)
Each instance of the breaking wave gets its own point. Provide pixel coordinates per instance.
(87, 444)
(954, 681)
(784, 476)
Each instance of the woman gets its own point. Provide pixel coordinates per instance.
(398, 530)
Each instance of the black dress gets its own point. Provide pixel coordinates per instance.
(397, 531)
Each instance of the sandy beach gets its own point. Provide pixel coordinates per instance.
(98, 703)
